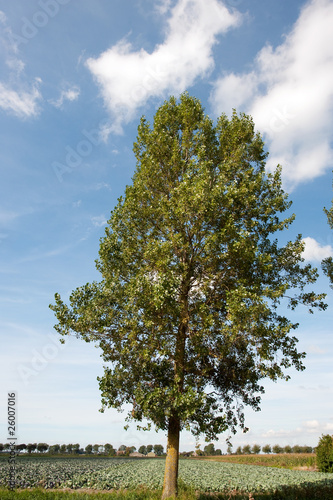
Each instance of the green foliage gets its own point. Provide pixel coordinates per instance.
(209, 449)
(327, 264)
(158, 449)
(246, 449)
(256, 449)
(281, 460)
(198, 475)
(324, 452)
(277, 449)
(109, 450)
(192, 274)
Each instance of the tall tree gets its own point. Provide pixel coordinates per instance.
(327, 264)
(186, 312)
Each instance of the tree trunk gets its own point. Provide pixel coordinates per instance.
(172, 458)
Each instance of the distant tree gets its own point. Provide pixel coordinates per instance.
(54, 449)
(42, 447)
(63, 449)
(158, 449)
(267, 448)
(69, 448)
(287, 449)
(76, 448)
(308, 449)
(122, 447)
(88, 449)
(108, 449)
(229, 449)
(324, 453)
(143, 449)
(7, 446)
(21, 447)
(31, 447)
(149, 448)
(256, 449)
(218, 451)
(239, 450)
(277, 449)
(246, 449)
(1, 447)
(297, 448)
(96, 449)
(209, 449)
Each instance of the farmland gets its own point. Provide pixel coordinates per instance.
(116, 474)
(284, 460)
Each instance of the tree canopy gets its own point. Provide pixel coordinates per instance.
(327, 264)
(192, 275)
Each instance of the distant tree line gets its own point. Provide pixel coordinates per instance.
(255, 449)
(75, 449)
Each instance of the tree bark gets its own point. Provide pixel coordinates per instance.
(172, 458)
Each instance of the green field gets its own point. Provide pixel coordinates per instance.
(283, 460)
(114, 475)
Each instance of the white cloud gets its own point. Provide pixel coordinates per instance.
(128, 78)
(3, 18)
(16, 97)
(313, 251)
(71, 94)
(306, 429)
(21, 103)
(99, 220)
(289, 93)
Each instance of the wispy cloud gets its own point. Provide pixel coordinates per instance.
(99, 220)
(128, 78)
(289, 92)
(7, 216)
(71, 94)
(16, 96)
(21, 103)
(307, 427)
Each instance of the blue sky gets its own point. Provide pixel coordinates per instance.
(76, 76)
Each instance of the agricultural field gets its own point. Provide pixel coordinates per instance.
(115, 474)
(294, 461)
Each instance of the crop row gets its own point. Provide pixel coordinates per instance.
(117, 473)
